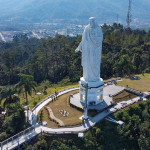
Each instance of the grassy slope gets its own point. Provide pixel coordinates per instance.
(143, 84)
(34, 98)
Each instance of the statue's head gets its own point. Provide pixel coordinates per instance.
(92, 22)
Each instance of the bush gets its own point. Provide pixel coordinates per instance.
(40, 145)
(3, 136)
(147, 70)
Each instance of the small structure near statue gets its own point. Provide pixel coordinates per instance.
(64, 113)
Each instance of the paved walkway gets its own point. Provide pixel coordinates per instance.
(20, 138)
(90, 122)
(67, 130)
(108, 92)
(33, 116)
(25, 136)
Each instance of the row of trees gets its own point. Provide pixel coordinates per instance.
(14, 56)
(54, 59)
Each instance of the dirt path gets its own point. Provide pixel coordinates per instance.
(52, 117)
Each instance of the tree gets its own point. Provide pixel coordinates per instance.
(26, 86)
(41, 145)
(13, 122)
(8, 94)
(9, 59)
(124, 66)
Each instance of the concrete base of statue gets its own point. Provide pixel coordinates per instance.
(94, 94)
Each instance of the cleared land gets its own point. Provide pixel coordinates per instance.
(143, 84)
(61, 103)
(123, 96)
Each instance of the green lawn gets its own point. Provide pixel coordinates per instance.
(143, 84)
(61, 103)
(55, 87)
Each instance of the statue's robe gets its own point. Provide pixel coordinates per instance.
(91, 47)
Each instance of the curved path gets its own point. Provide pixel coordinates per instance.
(22, 137)
(52, 117)
(90, 122)
(38, 107)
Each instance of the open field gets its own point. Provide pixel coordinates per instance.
(143, 84)
(61, 103)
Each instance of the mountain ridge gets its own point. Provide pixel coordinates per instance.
(72, 11)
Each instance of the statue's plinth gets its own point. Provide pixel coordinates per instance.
(94, 94)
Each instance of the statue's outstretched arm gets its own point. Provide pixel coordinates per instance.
(79, 48)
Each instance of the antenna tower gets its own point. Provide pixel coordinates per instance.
(129, 15)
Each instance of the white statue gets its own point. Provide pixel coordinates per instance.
(91, 48)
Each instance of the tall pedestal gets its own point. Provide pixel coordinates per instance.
(95, 92)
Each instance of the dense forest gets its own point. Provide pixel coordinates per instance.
(133, 135)
(124, 53)
(25, 63)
